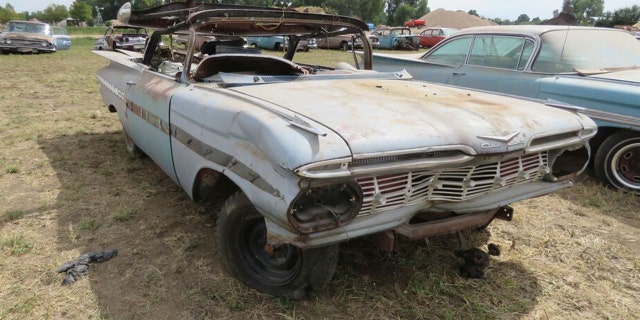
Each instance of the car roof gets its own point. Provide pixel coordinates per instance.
(531, 30)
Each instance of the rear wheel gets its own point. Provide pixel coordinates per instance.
(284, 271)
(617, 161)
(344, 46)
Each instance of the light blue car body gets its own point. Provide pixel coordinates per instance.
(60, 38)
(610, 96)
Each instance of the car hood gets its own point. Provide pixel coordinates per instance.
(387, 115)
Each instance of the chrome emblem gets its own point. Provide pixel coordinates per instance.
(503, 139)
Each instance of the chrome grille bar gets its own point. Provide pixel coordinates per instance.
(386, 192)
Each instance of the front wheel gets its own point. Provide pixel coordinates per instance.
(617, 161)
(284, 271)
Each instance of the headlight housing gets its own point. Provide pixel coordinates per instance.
(325, 207)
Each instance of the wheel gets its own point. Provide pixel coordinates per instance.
(277, 46)
(286, 271)
(617, 161)
(133, 149)
(344, 46)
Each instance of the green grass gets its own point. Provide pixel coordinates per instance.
(15, 244)
(14, 214)
(123, 215)
(86, 30)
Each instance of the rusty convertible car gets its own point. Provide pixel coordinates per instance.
(308, 156)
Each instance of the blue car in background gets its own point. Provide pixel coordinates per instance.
(397, 38)
(60, 38)
(279, 43)
(594, 68)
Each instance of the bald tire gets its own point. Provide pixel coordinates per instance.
(287, 272)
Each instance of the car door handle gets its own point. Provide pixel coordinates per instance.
(131, 83)
(459, 73)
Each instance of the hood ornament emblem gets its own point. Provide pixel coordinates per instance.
(503, 139)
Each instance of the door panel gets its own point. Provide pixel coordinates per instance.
(148, 100)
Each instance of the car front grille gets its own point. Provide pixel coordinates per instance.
(390, 191)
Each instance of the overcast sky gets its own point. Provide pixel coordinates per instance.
(487, 8)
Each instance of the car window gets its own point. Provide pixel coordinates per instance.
(497, 51)
(573, 49)
(454, 51)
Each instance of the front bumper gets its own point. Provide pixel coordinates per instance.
(399, 218)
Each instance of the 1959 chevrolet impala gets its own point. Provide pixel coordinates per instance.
(309, 156)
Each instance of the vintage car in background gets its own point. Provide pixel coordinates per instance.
(309, 155)
(27, 37)
(396, 38)
(554, 63)
(123, 37)
(415, 23)
(432, 36)
(61, 39)
(343, 42)
(279, 43)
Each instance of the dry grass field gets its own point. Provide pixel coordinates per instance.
(68, 186)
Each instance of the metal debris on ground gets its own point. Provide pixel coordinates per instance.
(476, 261)
(78, 268)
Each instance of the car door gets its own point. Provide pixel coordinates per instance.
(441, 63)
(148, 101)
(498, 63)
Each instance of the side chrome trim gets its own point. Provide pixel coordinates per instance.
(204, 150)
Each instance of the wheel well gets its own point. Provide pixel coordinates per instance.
(603, 133)
(211, 186)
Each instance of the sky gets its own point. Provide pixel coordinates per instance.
(503, 9)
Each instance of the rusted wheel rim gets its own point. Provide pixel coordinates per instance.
(625, 166)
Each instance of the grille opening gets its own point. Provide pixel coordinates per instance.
(390, 191)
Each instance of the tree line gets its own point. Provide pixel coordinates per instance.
(389, 12)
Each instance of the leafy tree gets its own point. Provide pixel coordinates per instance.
(535, 20)
(80, 11)
(587, 10)
(8, 13)
(371, 11)
(54, 13)
(421, 8)
(567, 6)
(403, 13)
(625, 16)
(473, 13)
(522, 19)
(393, 5)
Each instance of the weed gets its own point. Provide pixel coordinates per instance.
(89, 224)
(16, 244)
(11, 170)
(14, 214)
(123, 215)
